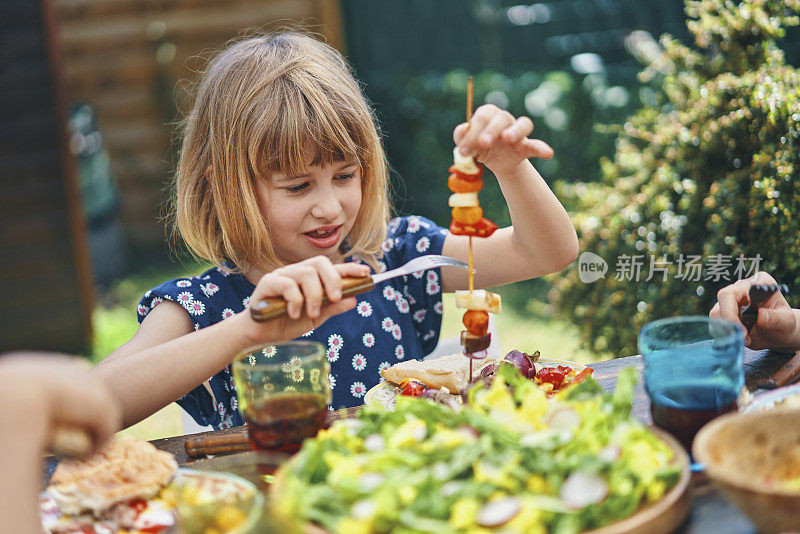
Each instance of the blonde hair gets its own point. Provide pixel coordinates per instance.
(261, 106)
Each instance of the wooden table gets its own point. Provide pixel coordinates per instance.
(710, 511)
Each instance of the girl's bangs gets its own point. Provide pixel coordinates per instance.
(311, 130)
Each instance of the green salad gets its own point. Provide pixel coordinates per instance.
(513, 460)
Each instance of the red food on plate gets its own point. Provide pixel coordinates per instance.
(552, 375)
(412, 388)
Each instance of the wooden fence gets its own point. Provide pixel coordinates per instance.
(131, 60)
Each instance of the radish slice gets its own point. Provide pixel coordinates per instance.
(370, 481)
(564, 417)
(374, 443)
(580, 490)
(363, 509)
(469, 432)
(610, 453)
(499, 511)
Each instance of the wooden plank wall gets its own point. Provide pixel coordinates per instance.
(44, 270)
(131, 59)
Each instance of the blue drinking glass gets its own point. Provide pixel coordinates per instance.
(693, 371)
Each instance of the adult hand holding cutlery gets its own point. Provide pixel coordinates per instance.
(759, 306)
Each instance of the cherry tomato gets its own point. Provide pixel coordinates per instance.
(564, 369)
(466, 176)
(471, 215)
(477, 322)
(458, 184)
(552, 375)
(412, 388)
(483, 228)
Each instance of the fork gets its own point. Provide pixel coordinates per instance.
(273, 307)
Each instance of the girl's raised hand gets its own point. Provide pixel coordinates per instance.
(499, 140)
(302, 285)
(777, 325)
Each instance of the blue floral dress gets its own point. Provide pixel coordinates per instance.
(399, 319)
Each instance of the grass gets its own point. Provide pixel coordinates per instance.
(527, 327)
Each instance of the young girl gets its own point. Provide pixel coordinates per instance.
(282, 185)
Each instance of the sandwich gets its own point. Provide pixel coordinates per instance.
(112, 487)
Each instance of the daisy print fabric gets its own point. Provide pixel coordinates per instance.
(400, 319)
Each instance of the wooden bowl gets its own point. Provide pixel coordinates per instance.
(748, 456)
(660, 517)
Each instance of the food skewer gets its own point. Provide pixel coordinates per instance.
(465, 182)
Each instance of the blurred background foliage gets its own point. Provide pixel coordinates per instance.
(711, 171)
(624, 145)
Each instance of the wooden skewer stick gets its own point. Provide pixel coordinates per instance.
(470, 90)
(471, 277)
(470, 97)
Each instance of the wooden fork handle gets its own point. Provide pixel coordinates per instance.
(217, 444)
(274, 307)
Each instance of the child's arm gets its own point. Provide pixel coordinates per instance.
(166, 358)
(541, 239)
(39, 392)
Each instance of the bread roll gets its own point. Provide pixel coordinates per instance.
(450, 371)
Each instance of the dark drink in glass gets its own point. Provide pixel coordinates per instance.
(283, 393)
(282, 422)
(683, 410)
(693, 372)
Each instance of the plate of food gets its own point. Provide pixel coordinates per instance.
(131, 487)
(513, 459)
(785, 397)
(447, 379)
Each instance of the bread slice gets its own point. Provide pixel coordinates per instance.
(123, 469)
(450, 371)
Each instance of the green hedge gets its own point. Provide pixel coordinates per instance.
(711, 171)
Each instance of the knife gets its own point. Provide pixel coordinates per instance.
(273, 307)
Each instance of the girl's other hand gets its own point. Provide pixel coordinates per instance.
(303, 286)
(777, 325)
(499, 140)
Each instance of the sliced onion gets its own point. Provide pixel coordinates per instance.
(564, 418)
(610, 453)
(580, 490)
(499, 511)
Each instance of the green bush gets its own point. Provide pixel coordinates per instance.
(712, 171)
